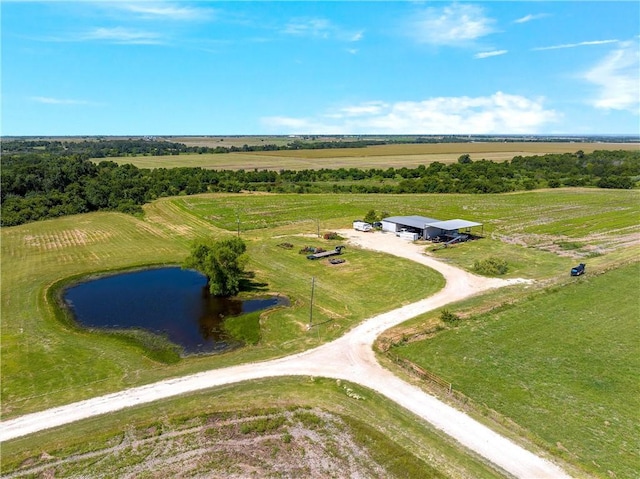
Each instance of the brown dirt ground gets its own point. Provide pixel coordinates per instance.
(306, 443)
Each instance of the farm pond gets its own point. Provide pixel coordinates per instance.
(169, 301)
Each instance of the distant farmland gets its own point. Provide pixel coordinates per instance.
(379, 156)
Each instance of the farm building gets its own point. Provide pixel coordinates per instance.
(428, 228)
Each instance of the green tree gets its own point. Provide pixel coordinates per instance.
(465, 159)
(371, 217)
(222, 262)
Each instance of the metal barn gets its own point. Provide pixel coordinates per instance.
(428, 228)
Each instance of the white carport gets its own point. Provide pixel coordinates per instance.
(450, 227)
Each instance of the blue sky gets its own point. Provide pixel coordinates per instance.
(335, 67)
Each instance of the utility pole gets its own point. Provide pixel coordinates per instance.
(318, 225)
(238, 221)
(313, 284)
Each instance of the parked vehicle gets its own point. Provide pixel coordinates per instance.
(578, 270)
(360, 225)
(324, 254)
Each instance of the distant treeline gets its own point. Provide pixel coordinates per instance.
(47, 184)
(112, 148)
(138, 147)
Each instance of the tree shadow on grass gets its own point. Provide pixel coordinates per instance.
(248, 284)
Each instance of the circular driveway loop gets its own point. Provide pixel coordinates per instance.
(350, 358)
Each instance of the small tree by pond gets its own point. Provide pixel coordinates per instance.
(222, 262)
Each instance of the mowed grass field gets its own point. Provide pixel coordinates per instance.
(540, 233)
(563, 364)
(378, 156)
(47, 363)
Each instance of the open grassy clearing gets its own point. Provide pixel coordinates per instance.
(601, 225)
(563, 364)
(70, 365)
(67, 364)
(74, 364)
(278, 424)
(378, 156)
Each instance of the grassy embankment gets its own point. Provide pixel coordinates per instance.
(379, 156)
(393, 438)
(67, 365)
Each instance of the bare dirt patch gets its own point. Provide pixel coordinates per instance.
(296, 443)
(582, 247)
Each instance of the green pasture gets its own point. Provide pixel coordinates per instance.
(510, 222)
(404, 446)
(507, 213)
(378, 156)
(67, 363)
(564, 364)
(48, 362)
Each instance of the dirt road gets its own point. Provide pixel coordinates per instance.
(351, 358)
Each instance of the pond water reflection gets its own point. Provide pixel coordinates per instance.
(169, 301)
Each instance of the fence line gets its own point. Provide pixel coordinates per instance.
(386, 341)
(420, 372)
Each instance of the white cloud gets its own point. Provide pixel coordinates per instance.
(320, 28)
(370, 108)
(121, 35)
(574, 45)
(357, 36)
(499, 113)
(453, 25)
(312, 27)
(617, 77)
(531, 17)
(493, 53)
(58, 101)
(166, 10)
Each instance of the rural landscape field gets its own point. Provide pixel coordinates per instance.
(376, 156)
(311, 240)
(516, 358)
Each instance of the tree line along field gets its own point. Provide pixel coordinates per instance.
(376, 156)
(44, 179)
(47, 362)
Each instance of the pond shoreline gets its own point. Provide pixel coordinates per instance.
(164, 309)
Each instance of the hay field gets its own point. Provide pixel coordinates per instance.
(230, 140)
(379, 156)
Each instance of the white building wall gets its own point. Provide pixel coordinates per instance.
(388, 226)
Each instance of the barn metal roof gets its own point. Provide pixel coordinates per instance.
(451, 225)
(414, 221)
